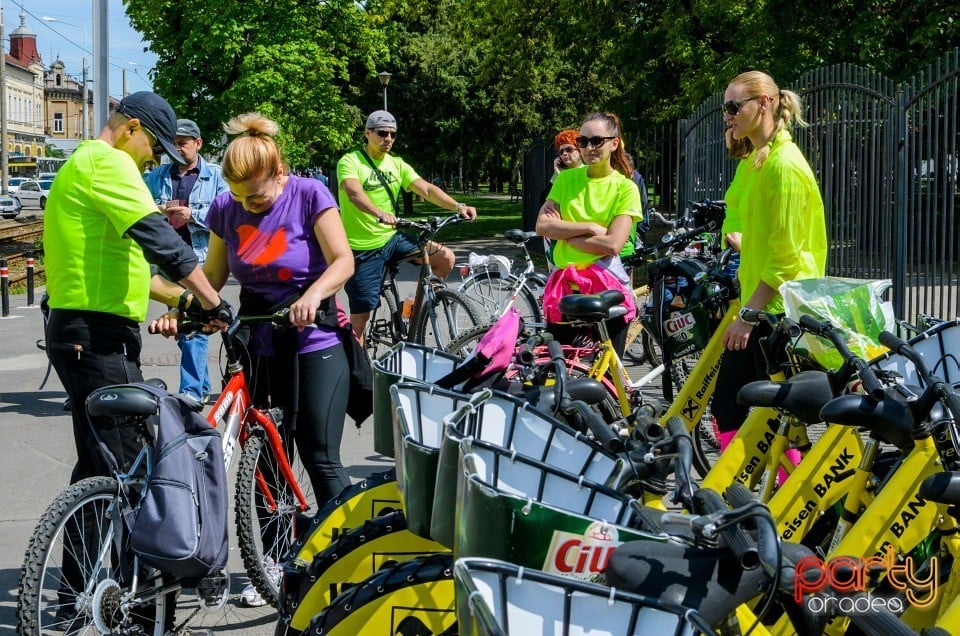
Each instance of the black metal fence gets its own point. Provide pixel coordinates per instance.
(886, 158)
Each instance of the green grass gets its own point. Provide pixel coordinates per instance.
(495, 215)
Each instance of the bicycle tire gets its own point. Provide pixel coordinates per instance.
(455, 315)
(384, 329)
(467, 341)
(77, 521)
(490, 291)
(263, 534)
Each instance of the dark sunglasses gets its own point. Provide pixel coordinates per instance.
(592, 142)
(567, 150)
(156, 148)
(732, 107)
(383, 134)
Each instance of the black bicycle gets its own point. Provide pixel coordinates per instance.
(434, 316)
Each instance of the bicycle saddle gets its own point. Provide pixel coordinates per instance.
(592, 307)
(889, 419)
(123, 400)
(942, 488)
(518, 236)
(802, 395)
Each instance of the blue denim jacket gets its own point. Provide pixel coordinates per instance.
(209, 184)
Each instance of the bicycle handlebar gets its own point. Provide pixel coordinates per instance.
(871, 384)
(935, 386)
(430, 226)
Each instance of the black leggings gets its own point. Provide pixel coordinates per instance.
(314, 410)
(738, 368)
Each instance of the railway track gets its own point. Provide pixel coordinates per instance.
(18, 233)
(16, 243)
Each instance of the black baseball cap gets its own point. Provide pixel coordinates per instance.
(157, 116)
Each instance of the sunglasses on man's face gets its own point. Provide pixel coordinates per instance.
(732, 107)
(592, 142)
(383, 134)
(155, 146)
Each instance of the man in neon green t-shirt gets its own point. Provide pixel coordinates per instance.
(370, 180)
(102, 229)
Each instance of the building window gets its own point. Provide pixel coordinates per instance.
(58, 123)
(59, 80)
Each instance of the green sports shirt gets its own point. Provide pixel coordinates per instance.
(600, 200)
(781, 212)
(363, 230)
(90, 264)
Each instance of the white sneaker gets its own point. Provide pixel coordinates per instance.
(250, 597)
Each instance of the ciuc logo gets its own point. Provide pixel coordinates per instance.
(825, 583)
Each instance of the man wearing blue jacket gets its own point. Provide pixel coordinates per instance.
(184, 194)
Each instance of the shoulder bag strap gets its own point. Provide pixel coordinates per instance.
(383, 181)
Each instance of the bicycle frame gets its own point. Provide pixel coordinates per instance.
(234, 408)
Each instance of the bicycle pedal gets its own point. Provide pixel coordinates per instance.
(213, 591)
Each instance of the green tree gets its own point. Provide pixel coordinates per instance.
(296, 62)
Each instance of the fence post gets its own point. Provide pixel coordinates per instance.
(5, 287)
(30, 279)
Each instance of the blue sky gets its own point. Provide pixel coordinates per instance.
(60, 39)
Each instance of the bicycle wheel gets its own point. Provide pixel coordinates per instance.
(267, 513)
(706, 448)
(384, 328)
(491, 292)
(73, 580)
(467, 341)
(442, 323)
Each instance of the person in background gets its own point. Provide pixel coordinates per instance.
(370, 180)
(781, 219)
(568, 156)
(184, 194)
(320, 176)
(588, 215)
(282, 239)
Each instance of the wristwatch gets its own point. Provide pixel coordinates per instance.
(461, 204)
(751, 320)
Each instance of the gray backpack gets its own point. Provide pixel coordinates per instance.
(180, 524)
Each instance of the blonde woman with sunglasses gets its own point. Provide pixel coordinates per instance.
(776, 197)
(588, 215)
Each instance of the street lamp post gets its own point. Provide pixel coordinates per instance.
(384, 80)
(83, 91)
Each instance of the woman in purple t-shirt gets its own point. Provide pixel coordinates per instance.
(281, 238)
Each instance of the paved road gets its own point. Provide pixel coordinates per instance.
(37, 453)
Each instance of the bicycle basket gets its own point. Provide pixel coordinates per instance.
(940, 348)
(508, 422)
(419, 410)
(495, 598)
(539, 516)
(403, 362)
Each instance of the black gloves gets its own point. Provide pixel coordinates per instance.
(222, 312)
(191, 308)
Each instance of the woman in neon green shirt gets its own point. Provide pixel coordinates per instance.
(589, 214)
(784, 236)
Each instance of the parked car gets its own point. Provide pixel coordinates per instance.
(46, 176)
(13, 184)
(9, 206)
(34, 193)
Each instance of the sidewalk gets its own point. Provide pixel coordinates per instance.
(38, 449)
